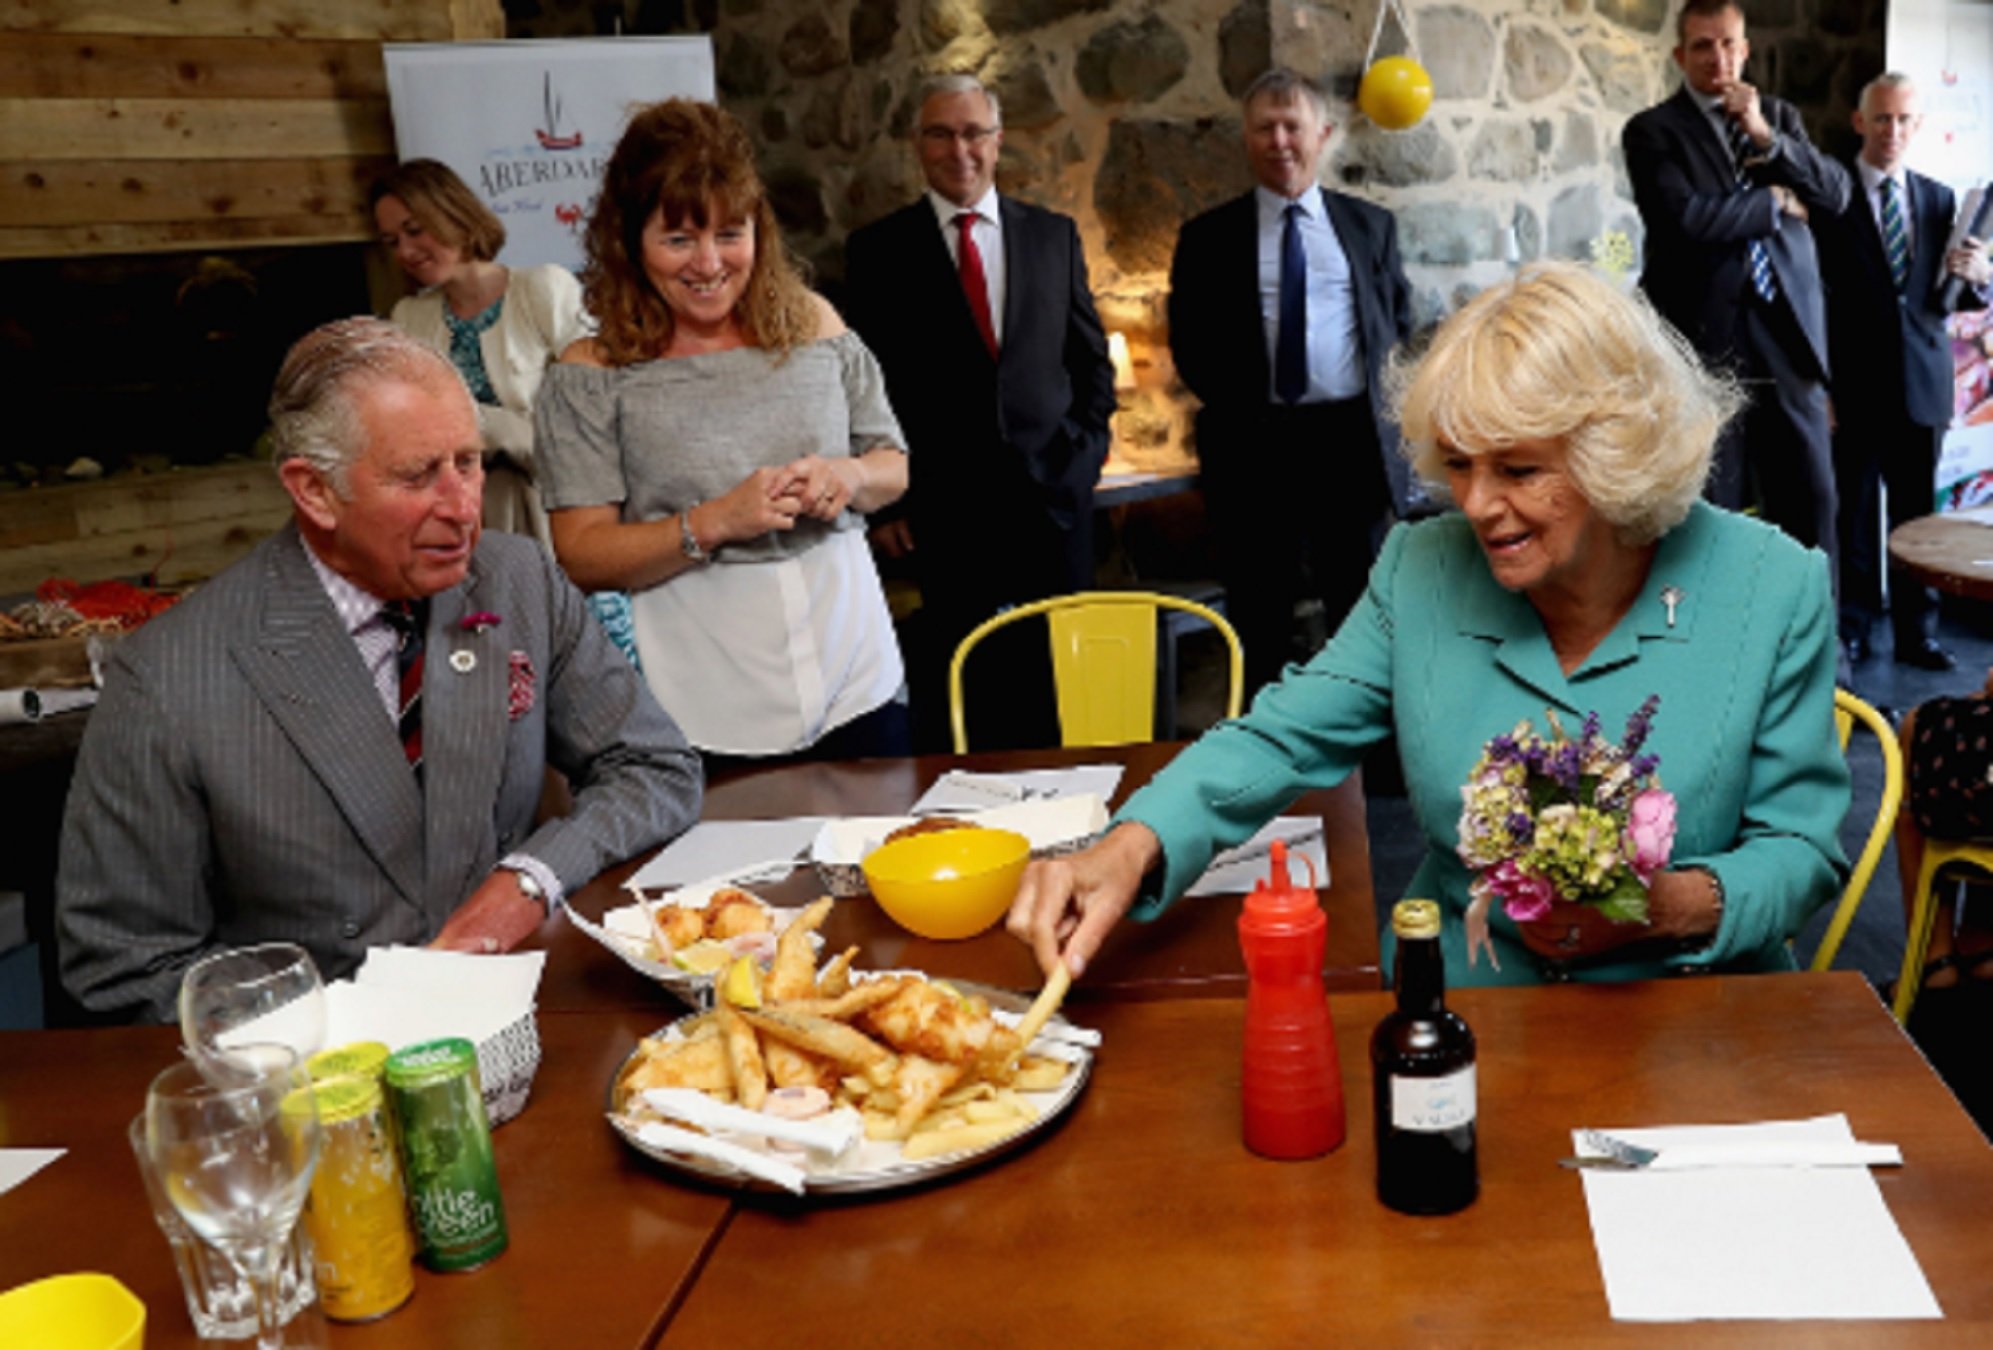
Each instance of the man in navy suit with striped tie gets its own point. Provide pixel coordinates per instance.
(1886, 259)
(341, 741)
(1725, 180)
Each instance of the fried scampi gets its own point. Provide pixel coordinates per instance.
(925, 1064)
(729, 913)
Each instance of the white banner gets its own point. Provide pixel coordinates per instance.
(530, 125)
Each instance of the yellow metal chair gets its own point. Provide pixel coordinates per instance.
(1103, 663)
(1848, 710)
(1923, 915)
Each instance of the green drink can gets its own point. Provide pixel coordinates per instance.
(446, 1154)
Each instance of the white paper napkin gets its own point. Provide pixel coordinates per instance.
(961, 790)
(1751, 1242)
(1046, 823)
(18, 1164)
(1237, 870)
(713, 847)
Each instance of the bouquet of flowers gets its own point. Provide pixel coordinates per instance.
(1583, 821)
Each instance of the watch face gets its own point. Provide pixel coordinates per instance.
(529, 887)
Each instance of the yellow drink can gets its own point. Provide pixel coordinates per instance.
(364, 1251)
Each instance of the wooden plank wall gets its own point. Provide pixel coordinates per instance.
(137, 126)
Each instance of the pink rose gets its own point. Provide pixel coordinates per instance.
(1650, 831)
(1525, 897)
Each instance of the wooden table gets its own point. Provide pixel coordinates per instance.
(1192, 949)
(1950, 553)
(1142, 1219)
(1139, 1219)
(601, 1241)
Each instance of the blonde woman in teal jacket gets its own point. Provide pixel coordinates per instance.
(1581, 573)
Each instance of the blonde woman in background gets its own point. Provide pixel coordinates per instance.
(500, 326)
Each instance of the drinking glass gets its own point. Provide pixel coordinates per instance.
(234, 1140)
(220, 1302)
(269, 994)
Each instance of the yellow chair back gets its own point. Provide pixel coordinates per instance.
(1923, 915)
(1848, 710)
(1103, 648)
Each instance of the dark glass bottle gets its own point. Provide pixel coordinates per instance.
(1422, 1076)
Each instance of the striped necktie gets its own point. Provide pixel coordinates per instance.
(1755, 253)
(1895, 239)
(409, 619)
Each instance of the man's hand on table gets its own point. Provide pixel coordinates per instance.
(498, 917)
(1066, 906)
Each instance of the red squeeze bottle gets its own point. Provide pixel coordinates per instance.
(1291, 1087)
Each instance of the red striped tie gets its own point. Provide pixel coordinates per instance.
(409, 618)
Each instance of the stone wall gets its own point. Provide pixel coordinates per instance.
(1125, 116)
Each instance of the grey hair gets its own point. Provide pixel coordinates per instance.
(960, 82)
(1889, 79)
(1283, 85)
(312, 412)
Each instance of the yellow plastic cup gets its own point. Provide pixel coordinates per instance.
(85, 1311)
(949, 884)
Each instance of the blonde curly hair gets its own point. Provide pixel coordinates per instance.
(1560, 354)
(692, 161)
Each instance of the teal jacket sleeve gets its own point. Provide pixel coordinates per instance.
(1787, 860)
(1307, 731)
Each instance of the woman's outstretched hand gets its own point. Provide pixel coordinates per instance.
(1066, 906)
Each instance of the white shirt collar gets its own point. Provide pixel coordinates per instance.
(1872, 178)
(1272, 204)
(357, 606)
(945, 211)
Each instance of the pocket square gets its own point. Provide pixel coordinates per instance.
(520, 680)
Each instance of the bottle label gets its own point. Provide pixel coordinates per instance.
(1430, 1105)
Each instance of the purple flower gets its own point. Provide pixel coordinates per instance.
(479, 622)
(1642, 722)
(1521, 827)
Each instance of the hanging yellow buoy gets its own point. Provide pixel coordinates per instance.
(1395, 93)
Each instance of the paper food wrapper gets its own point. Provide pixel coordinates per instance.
(1058, 825)
(627, 933)
(403, 996)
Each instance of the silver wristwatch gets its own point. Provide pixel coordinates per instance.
(688, 542)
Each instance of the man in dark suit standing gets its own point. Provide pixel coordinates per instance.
(1886, 262)
(978, 308)
(1283, 305)
(341, 741)
(1725, 180)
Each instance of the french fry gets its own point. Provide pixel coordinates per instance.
(849, 1004)
(1035, 1073)
(835, 978)
(834, 1041)
(750, 1072)
(936, 1143)
(794, 974)
(920, 1083)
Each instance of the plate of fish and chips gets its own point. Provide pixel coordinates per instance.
(925, 1076)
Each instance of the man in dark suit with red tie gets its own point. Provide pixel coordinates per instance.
(978, 308)
(1283, 305)
(1885, 260)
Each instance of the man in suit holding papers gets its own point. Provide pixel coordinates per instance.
(1886, 259)
(341, 740)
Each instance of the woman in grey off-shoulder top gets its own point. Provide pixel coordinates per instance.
(712, 449)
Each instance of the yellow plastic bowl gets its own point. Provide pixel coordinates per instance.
(949, 884)
(72, 1312)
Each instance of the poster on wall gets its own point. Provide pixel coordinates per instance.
(1947, 47)
(530, 125)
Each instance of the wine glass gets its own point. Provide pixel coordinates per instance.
(268, 994)
(234, 1140)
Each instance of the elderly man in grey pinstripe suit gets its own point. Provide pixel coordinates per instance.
(251, 774)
